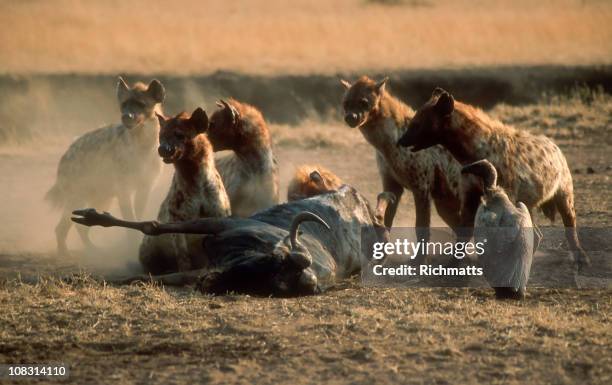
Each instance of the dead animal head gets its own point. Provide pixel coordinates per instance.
(431, 122)
(138, 103)
(361, 99)
(309, 181)
(177, 135)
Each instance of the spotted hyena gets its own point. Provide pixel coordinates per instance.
(116, 161)
(196, 192)
(250, 173)
(429, 175)
(531, 168)
(309, 181)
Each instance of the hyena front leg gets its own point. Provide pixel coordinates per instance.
(61, 232)
(422, 203)
(101, 204)
(141, 197)
(127, 211)
(391, 185)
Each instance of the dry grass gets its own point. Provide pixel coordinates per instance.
(355, 335)
(271, 36)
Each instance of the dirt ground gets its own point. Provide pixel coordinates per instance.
(351, 334)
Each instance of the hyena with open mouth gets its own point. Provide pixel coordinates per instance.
(115, 161)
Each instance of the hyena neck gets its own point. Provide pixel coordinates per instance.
(260, 159)
(387, 123)
(257, 154)
(195, 170)
(471, 134)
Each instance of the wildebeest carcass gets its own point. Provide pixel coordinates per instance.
(297, 248)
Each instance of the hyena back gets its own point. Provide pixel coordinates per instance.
(116, 161)
(250, 173)
(196, 192)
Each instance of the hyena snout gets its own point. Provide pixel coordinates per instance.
(130, 119)
(166, 151)
(352, 119)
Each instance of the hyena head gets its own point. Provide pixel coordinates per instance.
(309, 181)
(225, 131)
(431, 124)
(178, 135)
(237, 126)
(138, 103)
(361, 99)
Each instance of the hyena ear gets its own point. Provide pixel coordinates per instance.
(316, 177)
(445, 104)
(380, 86)
(156, 91)
(345, 83)
(123, 90)
(199, 119)
(229, 110)
(160, 119)
(437, 92)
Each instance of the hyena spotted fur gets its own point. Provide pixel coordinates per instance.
(531, 168)
(310, 180)
(196, 191)
(431, 174)
(250, 172)
(116, 161)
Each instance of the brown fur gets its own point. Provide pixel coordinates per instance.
(309, 181)
(116, 161)
(196, 192)
(431, 174)
(250, 173)
(531, 168)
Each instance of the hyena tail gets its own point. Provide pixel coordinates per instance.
(55, 196)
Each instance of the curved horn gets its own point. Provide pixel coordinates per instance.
(485, 170)
(304, 216)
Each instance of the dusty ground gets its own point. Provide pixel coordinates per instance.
(300, 36)
(143, 333)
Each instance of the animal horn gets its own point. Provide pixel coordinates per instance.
(304, 216)
(485, 170)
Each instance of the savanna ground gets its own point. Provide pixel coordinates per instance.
(351, 334)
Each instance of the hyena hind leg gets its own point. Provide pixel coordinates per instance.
(564, 202)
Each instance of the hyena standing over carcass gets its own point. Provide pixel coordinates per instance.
(196, 192)
(116, 161)
(250, 174)
(431, 174)
(531, 168)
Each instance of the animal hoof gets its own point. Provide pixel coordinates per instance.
(582, 261)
